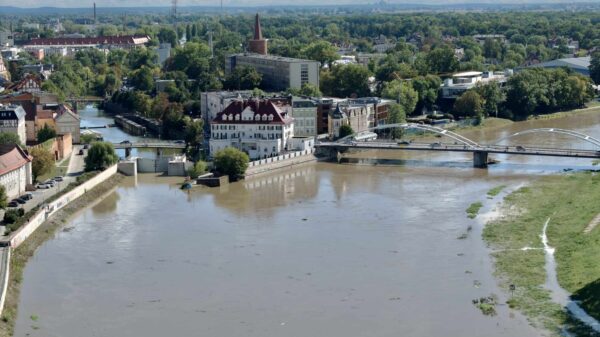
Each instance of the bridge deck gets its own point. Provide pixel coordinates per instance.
(149, 145)
(514, 150)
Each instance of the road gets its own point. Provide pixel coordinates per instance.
(76, 168)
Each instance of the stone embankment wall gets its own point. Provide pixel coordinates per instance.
(279, 162)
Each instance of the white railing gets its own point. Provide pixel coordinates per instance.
(282, 157)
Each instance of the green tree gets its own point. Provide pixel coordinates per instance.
(45, 133)
(321, 51)
(42, 163)
(3, 197)
(231, 161)
(427, 88)
(197, 170)
(493, 97)
(143, 79)
(403, 93)
(243, 78)
(442, 60)
(397, 115)
(194, 132)
(100, 156)
(469, 104)
(167, 35)
(346, 130)
(9, 138)
(350, 80)
(595, 67)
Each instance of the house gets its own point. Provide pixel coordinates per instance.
(67, 122)
(44, 70)
(213, 102)
(32, 102)
(29, 83)
(358, 117)
(256, 126)
(12, 120)
(15, 170)
(6, 38)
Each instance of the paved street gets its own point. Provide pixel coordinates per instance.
(76, 168)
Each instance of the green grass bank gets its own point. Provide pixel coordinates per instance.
(571, 203)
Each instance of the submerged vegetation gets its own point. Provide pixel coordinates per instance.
(473, 209)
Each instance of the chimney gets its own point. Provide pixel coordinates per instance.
(258, 44)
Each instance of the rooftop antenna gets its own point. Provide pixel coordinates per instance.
(173, 8)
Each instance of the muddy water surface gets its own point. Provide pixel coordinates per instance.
(319, 250)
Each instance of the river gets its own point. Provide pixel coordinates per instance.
(318, 250)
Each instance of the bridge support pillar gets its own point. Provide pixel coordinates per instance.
(127, 152)
(480, 159)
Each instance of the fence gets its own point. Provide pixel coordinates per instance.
(279, 158)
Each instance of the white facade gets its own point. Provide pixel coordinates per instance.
(304, 112)
(213, 102)
(15, 170)
(68, 122)
(258, 140)
(6, 39)
(461, 82)
(12, 120)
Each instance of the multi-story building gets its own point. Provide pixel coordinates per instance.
(32, 103)
(278, 73)
(459, 83)
(304, 112)
(213, 102)
(358, 117)
(67, 122)
(15, 170)
(12, 120)
(72, 45)
(255, 126)
(378, 109)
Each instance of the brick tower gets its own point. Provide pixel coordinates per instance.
(257, 45)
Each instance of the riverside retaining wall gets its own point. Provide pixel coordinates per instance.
(279, 162)
(27, 229)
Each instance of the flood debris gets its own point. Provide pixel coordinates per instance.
(487, 305)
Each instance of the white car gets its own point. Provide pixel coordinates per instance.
(42, 186)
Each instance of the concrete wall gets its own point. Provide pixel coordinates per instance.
(128, 168)
(27, 229)
(275, 163)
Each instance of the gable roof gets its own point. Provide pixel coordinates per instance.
(63, 110)
(254, 107)
(12, 157)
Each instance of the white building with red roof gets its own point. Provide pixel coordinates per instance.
(15, 170)
(258, 127)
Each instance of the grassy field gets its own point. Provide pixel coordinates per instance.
(571, 202)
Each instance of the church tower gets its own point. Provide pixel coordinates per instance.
(258, 44)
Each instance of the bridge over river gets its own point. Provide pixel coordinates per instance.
(460, 143)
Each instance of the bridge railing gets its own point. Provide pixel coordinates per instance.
(282, 157)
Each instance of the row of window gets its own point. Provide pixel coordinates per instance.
(234, 127)
(269, 136)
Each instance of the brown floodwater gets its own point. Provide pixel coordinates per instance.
(318, 250)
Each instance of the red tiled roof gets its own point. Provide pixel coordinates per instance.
(12, 157)
(100, 40)
(258, 107)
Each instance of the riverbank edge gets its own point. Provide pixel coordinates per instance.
(519, 259)
(21, 255)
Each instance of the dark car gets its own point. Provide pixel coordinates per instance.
(27, 196)
(86, 146)
(81, 152)
(125, 142)
(179, 142)
(520, 148)
(13, 204)
(20, 201)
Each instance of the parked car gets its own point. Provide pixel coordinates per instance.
(50, 182)
(80, 152)
(42, 186)
(58, 178)
(20, 201)
(520, 148)
(404, 142)
(126, 142)
(438, 144)
(27, 196)
(86, 146)
(13, 204)
(179, 142)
